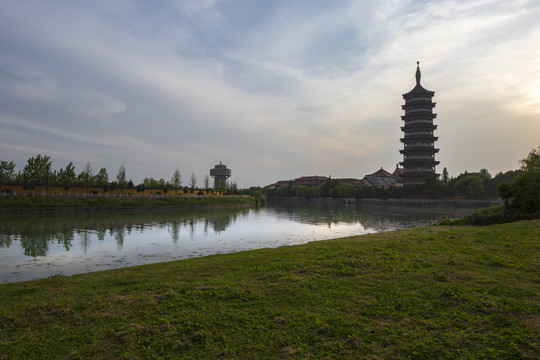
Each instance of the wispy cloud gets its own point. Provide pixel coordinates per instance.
(273, 89)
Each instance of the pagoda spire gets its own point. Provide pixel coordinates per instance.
(418, 75)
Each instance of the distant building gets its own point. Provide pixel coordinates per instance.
(303, 180)
(418, 142)
(382, 178)
(220, 173)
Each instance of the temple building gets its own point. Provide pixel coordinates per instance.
(418, 141)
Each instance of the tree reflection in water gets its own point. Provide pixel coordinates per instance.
(112, 240)
(36, 233)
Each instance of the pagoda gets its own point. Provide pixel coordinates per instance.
(419, 142)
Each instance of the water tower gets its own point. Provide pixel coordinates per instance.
(220, 173)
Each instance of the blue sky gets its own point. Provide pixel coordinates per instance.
(273, 89)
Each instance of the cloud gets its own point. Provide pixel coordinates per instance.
(273, 89)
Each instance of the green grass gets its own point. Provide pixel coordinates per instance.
(442, 292)
(114, 202)
(497, 214)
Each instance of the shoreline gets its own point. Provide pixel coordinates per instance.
(49, 205)
(422, 203)
(429, 291)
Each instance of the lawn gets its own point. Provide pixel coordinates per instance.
(440, 292)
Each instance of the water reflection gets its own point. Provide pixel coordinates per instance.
(375, 218)
(36, 233)
(41, 246)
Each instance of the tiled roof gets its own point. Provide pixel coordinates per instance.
(380, 173)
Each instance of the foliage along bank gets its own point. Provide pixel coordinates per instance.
(521, 197)
(475, 185)
(12, 204)
(38, 176)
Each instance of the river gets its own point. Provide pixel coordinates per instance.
(34, 247)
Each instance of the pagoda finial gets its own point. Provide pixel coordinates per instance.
(418, 73)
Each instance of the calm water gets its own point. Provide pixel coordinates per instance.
(42, 246)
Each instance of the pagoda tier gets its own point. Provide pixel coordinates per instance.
(414, 138)
(419, 142)
(418, 126)
(420, 149)
(419, 117)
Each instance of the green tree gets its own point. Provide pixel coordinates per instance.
(85, 177)
(471, 186)
(282, 191)
(67, 176)
(162, 184)
(192, 181)
(102, 179)
(303, 191)
(7, 172)
(532, 161)
(206, 182)
(346, 191)
(522, 195)
(445, 177)
(150, 182)
(176, 180)
(121, 178)
(232, 188)
(37, 171)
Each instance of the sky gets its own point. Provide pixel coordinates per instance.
(275, 89)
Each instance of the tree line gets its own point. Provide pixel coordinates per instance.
(470, 185)
(475, 185)
(38, 171)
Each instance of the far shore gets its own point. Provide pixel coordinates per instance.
(51, 205)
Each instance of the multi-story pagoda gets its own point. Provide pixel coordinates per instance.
(419, 142)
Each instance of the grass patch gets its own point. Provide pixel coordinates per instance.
(439, 292)
(497, 214)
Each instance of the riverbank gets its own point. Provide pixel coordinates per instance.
(395, 203)
(46, 205)
(442, 292)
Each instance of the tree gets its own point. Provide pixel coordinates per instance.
(176, 180)
(445, 177)
(192, 181)
(162, 184)
(121, 178)
(85, 177)
(346, 191)
(532, 161)
(472, 186)
(67, 177)
(206, 182)
(282, 191)
(102, 179)
(523, 193)
(7, 172)
(232, 188)
(37, 171)
(150, 182)
(303, 191)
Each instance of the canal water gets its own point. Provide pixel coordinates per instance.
(42, 246)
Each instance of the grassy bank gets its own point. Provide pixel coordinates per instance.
(40, 202)
(497, 214)
(443, 292)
